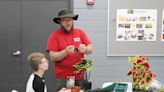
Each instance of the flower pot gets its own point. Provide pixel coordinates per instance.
(75, 89)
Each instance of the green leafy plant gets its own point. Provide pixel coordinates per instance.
(85, 64)
(140, 72)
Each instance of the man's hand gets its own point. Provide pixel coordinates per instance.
(82, 48)
(70, 49)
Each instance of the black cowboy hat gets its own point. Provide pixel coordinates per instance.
(65, 13)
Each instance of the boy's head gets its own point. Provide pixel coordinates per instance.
(37, 61)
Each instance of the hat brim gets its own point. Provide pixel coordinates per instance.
(56, 19)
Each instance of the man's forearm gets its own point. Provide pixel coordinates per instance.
(57, 56)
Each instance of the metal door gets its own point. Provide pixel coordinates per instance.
(25, 26)
(36, 26)
(10, 63)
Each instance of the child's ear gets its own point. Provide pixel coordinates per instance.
(39, 66)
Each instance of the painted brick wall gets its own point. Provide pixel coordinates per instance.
(93, 19)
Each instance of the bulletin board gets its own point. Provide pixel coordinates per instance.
(132, 48)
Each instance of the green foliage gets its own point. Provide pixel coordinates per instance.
(85, 64)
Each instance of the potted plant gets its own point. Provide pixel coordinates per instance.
(140, 72)
(85, 64)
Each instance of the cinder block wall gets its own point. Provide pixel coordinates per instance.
(93, 19)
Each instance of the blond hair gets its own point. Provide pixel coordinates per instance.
(34, 59)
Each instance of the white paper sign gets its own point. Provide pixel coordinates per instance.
(136, 25)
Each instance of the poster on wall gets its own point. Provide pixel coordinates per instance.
(136, 25)
(162, 26)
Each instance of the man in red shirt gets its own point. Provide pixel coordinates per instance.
(66, 46)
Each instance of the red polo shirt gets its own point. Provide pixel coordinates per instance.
(58, 41)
